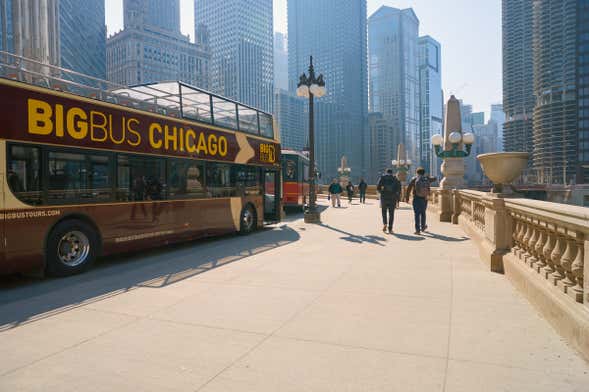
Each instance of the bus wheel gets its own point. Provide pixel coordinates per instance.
(72, 247)
(248, 220)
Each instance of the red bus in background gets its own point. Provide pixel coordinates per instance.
(295, 179)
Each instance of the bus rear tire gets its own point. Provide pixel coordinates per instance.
(72, 247)
(248, 220)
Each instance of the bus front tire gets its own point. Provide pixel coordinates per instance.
(248, 220)
(72, 247)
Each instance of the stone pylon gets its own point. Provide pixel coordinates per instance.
(452, 168)
(401, 154)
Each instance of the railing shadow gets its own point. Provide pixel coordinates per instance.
(34, 300)
(445, 238)
(358, 239)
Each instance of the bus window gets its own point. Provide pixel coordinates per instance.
(266, 129)
(290, 170)
(75, 177)
(141, 178)
(23, 174)
(185, 179)
(246, 180)
(219, 180)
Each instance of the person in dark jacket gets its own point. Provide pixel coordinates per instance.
(419, 188)
(389, 188)
(362, 189)
(350, 190)
(335, 190)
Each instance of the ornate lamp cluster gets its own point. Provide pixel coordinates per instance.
(309, 86)
(455, 139)
(402, 165)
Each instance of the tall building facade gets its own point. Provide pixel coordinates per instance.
(334, 33)
(146, 53)
(82, 35)
(393, 60)
(555, 87)
(380, 145)
(280, 62)
(291, 116)
(66, 33)
(583, 90)
(241, 39)
(518, 81)
(498, 116)
(431, 102)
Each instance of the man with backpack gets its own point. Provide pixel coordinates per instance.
(335, 190)
(389, 188)
(419, 187)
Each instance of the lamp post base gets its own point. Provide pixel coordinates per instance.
(312, 217)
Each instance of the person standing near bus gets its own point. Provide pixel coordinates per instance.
(389, 188)
(335, 190)
(350, 190)
(362, 186)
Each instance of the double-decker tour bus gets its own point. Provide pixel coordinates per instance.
(88, 168)
(295, 178)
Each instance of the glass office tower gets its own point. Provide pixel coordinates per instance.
(394, 74)
(241, 40)
(334, 33)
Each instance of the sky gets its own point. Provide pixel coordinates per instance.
(468, 30)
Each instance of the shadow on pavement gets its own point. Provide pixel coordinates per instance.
(359, 239)
(406, 237)
(32, 300)
(442, 237)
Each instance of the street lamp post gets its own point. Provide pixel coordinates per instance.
(402, 164)
(309, 87)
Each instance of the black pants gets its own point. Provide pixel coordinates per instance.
(388, 209)
(419, 208)
(362, 196)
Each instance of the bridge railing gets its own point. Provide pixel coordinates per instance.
(542, 247)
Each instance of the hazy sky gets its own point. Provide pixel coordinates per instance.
(469, 31)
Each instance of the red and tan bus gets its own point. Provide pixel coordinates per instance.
(91, 169)
(295, 179)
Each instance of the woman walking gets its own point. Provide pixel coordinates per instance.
(350, 190)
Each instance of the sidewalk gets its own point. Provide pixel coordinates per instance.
(337, 307)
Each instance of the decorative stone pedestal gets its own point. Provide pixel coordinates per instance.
(453, 171)
(312, 217)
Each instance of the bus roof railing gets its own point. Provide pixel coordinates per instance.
(171, 98)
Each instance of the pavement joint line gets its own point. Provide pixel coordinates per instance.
(450, 325)
(77, 344)
(208, 326)
(295, 315)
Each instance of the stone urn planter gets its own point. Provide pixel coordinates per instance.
(503, 167)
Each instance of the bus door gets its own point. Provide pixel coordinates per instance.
(271, 196)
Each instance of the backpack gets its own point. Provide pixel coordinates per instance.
(422, 187)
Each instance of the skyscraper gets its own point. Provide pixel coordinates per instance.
(82, 35)
(280, 62)
(146, 53)
(498, 115)
(555, 87)
(394, 74)
(430, 100)
(334, 33)
(518, 81)
(66, 33)
(292, 120)
(583, 90)
(241, 39)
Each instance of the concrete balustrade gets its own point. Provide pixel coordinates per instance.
(541, 247)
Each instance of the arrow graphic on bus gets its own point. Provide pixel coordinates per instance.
(246, 152)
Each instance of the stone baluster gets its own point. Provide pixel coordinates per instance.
(547, 251)
(539, 249)
(556, 257)
(576, 292)
(526, 241)
(520, 236)
(566, 264)
(532, 259)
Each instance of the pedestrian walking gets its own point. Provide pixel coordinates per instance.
(419, 188)
(335, 190)
(389, 188)
(362, 186)
(350, 190)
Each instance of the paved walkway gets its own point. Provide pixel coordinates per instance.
(338, 307)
